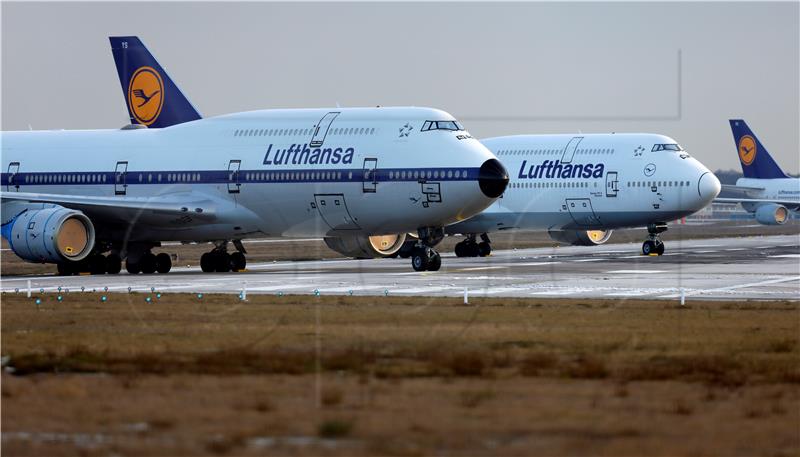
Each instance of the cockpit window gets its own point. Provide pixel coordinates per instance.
(667, 147)
(442, 125)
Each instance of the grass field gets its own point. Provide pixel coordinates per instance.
(398, 376)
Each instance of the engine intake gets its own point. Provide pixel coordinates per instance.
(366, 247)
(772, 214)
(51, 234)
(581, 237)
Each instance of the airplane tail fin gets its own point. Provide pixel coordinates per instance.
(150, 95)
(756, 161)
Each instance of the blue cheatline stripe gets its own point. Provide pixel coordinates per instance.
(319, 175)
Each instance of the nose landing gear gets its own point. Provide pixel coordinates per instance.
(653, 243)
(423, 256)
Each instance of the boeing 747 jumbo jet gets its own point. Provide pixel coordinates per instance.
(769, 192)
(580, 187)
(360, 177)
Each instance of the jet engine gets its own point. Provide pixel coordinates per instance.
(772, 214)
(580, 237)
(366, 247)
(52, 234)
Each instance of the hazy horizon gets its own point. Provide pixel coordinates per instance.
(680, 69)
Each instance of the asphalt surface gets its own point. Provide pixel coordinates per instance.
(742, 268)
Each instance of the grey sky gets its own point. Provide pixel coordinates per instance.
(501, 68)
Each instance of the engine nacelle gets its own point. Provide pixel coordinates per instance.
(49, 233)
(581, 237)
(366, 247)
(772, 214)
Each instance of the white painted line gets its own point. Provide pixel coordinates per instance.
(278, 288)
(419, 290)
(478, 268)
(787, 256)
(334, 290)
(738, 286)
(557, 292)
(637, 271)
(498, 290)
(703, 252)
(533, 264)
(588, 260)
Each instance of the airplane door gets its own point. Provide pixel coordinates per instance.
(13, 170)
(120, 178)
(582, 212)
(370, 184)
(321, 129)
(569, 151)
(333, 209)
(234, 185)
(612, 184)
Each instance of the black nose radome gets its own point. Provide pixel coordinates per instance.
(493, 178)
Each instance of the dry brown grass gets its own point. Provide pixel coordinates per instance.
(400, 375)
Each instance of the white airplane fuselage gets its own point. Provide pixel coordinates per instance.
(785, 190)
(592, 182)
(293, 173)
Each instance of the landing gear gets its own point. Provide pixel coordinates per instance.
(653, 243)
(221, 261)
(471, 248)
(423, 256)
(147, 263)
(113, 264)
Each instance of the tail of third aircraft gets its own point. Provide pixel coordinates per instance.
(756, 161)
(150, 95)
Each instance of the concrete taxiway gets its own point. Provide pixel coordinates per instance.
(763, 268)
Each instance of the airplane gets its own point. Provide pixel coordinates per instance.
(579, 188)
(360, 177)
(614, 181)
(770, 193)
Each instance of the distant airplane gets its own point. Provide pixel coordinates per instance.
(346, 174)
(769, 192)
(581, 187)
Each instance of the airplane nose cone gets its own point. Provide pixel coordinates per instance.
(493, 178)
(708, 187)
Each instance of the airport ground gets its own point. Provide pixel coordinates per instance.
(306, 375)
(315, 249)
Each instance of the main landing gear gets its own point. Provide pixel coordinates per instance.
(96, 264)
(219, 260)
(471, 248)
(653, 243)
(423, 256)
(148, 263)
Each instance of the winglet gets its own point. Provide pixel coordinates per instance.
(756, 161)
(151, 97)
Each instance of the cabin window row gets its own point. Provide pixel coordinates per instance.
(69, 179)
(435, 174)
(549, 185)
(296, 132)
(517, 152)
(659, 184)
(296, 176)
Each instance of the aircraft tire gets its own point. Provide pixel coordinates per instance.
(484, 249)
(133, 268)
(435, 263)
(163, 263)
(648, 247)
(238, 261)
(65, 269)
(148, 263)
(207, 262)
(660, 249)
(222, 262)
(97, 264)
(113, 264)
(420, 258)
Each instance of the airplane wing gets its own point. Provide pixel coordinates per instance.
(788, 203)
(183, 209)
(740, 188)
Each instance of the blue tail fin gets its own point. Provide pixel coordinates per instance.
(756, 161)
(150, 95)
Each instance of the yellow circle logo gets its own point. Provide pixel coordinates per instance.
(146, 95)
(747, 149)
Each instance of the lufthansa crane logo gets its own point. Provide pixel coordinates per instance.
(146, 95)
(747, 149)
